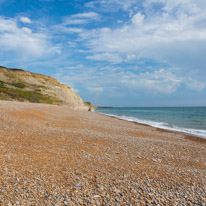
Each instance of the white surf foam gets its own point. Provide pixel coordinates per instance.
(162, 125)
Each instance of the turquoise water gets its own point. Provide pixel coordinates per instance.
(191, 120)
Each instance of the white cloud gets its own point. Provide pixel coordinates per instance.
(161, 81)
(106, 57)
(27, 30)
(81, 18)
(88, 15)
(25, 20)
(23, 41)
(112, 4)
(194, 84)
(76, 21)
(176, 6)
(138, 19)
(113, 79)
(170, 31)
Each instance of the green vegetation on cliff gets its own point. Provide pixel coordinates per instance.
(20, 85)
(17, 92)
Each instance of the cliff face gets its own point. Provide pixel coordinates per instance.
(21, 85)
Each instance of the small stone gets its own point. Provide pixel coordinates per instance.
(121, 194)
(116, 190)
(66, 203)
(77, 172)
(77, 186)
(148, 201)
(80, 201)
(117, 199)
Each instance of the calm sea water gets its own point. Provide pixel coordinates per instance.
(191, 120)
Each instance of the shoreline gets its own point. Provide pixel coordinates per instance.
(187, 135)
(54, 155)
(167, 129)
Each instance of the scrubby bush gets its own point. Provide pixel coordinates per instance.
(19, 85)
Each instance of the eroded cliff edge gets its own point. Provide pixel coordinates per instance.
(20, 85)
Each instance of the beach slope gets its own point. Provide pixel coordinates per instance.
(53, 155)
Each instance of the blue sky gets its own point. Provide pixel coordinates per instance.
(111, 52)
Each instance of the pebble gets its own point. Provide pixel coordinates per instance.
(66, 203)
(79, 163)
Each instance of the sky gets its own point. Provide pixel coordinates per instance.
(111, 52)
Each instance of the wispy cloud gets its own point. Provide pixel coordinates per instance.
(112, 5)
(61, 28)
(160, 81)
(81, 18)
(115, 48)
(23, 42)
(164, 30)
(88, 15)
(25, 20)
(169, 34)
(110, 57)
(113, 78)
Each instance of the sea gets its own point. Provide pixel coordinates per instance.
(191, 120)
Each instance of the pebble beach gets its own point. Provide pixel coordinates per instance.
(55, 155)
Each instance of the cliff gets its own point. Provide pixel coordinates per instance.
(20, 85)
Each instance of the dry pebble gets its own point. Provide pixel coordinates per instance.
(51, 155)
